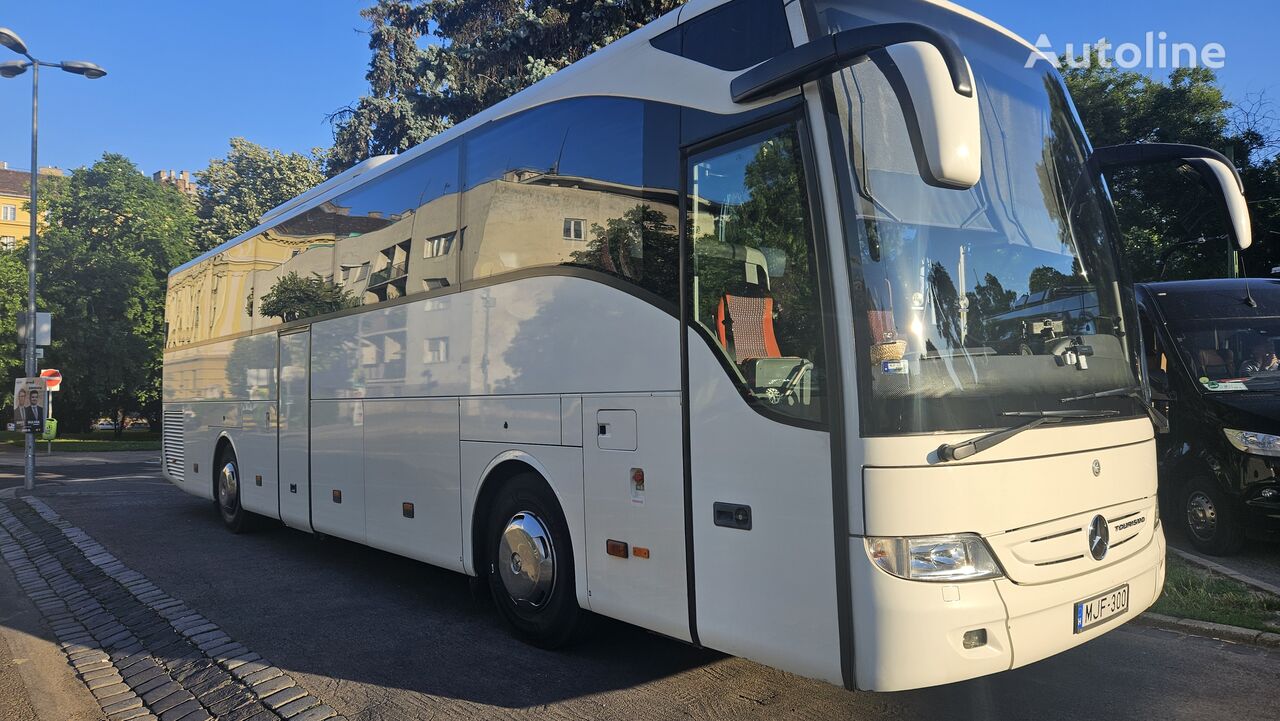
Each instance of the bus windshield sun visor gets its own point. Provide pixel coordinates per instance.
(1213, 167)
(940, 99)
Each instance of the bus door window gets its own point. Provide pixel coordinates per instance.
(1154, 356)
(754, 288)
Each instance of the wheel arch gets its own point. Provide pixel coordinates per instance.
(501, 469)
(224, 441)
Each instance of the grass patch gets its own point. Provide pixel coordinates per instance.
(95, 442)
(1200, 594)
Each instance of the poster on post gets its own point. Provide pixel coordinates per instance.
(29, 409)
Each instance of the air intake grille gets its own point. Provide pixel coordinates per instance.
(173, 444)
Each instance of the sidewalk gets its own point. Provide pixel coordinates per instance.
(36, 684)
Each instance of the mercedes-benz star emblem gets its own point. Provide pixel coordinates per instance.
(1099, 538)
(1097, 467)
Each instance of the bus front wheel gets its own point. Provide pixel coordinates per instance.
(226, 496)
(1209, 518)
(530, 563)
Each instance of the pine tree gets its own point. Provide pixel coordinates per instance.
(394, 115)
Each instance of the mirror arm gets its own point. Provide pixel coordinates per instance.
(1113, 156)
(827, 54)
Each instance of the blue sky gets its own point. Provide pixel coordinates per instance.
(186, 76)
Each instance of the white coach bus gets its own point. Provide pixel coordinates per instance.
(740, 329)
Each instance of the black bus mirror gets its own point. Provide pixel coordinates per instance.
(1213, 168)
(937, 91)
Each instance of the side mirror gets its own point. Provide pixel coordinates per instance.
(1213, 167)
(937, 91)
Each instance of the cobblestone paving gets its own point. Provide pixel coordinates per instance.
(142, 653)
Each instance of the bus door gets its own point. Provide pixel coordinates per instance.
(759, 448)
(295, 428)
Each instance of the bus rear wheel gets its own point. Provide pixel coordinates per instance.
(530, 563)
(226, 497)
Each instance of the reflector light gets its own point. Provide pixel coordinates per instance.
(616, 548)
(640, 552)
(337, 496)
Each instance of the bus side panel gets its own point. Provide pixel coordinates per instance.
(209, 421)
(634, 491)
(561, 467)
(337, 468)
(411, 457)
(255, 443)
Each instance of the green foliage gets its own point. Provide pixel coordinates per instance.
(236, 190)
(293, 297)
(482, 51)
(13, 300)
(111, 239)
(395, 115)
(1159, 208)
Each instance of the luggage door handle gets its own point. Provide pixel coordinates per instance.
(732, 515)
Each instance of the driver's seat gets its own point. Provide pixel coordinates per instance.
(744, 327)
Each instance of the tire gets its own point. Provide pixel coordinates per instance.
(226, 493)
(529, 564)
(1209, 517)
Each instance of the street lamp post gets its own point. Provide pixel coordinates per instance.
(11, 69)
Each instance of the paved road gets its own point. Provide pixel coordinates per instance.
(380, 637)
(61, 469)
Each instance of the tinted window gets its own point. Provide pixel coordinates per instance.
(294, 270)
(734, 36)
(587, 182)
(754, 285)
(395, 234)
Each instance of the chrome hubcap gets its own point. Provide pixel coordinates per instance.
(228, 485)
(1202, 516)
(527, 560)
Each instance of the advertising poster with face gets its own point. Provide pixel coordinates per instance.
(29, 409)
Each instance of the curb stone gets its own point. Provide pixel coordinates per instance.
(1220, 631)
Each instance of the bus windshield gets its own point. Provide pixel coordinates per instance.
(973, 303)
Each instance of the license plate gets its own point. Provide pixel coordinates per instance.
(1101, 608)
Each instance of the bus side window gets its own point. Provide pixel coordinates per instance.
(754, 285)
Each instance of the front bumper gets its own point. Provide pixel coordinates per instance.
(908, 634)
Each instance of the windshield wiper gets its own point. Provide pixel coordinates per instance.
(1158, 419)
(959, 451)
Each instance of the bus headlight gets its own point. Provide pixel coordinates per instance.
(1260, 444)
(959, 557)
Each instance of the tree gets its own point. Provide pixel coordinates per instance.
(1158, 208)
(395, 115)
(13, 300)
(111, 239)
(293, 297)
(236, 190)
(484, 51)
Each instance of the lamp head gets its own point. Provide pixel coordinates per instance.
(13, 68)
(93, 71)
(10, 39)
